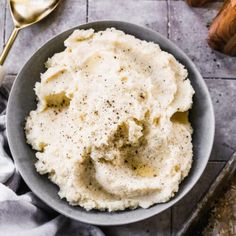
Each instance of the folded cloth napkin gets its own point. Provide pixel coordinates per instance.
(25, 214)
(1, 74)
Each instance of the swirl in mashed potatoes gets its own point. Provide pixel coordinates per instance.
(111, 127)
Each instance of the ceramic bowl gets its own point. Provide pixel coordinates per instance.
(22, 101)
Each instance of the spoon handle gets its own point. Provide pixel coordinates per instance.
(8, 45)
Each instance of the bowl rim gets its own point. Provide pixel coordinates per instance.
(148, 213)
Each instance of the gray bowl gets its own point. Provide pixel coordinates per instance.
(22, 101)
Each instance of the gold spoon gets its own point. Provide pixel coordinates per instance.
(25, 13)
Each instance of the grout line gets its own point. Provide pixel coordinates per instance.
(4, 23)
(217, 161)
(168, 18)
(87, 10)
(218, 78)
(11, 74)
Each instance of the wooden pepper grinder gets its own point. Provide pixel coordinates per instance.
(222, 32)
(197, 3)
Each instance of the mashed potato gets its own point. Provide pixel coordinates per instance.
(111, 128)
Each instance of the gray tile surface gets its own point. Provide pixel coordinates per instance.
(157, 225)
(188, 29)
(2, 19)
(223, 93)
(70, 13)
(182, 210)
(151, 13)
(8, 81)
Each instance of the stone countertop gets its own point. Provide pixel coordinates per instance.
(185, 26)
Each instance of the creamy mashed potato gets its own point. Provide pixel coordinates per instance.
(111, 128)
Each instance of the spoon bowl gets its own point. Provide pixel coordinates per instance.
(25, 13)
(22, 101)
(28, 12)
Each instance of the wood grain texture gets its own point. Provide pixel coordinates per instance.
(222, 32)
